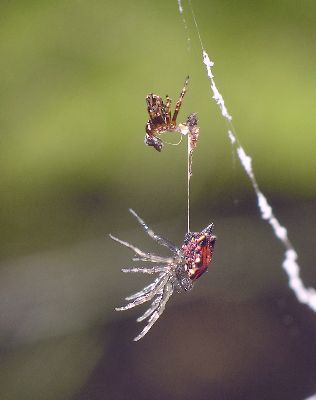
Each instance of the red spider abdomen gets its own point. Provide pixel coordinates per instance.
(198, 250)
(201, 262)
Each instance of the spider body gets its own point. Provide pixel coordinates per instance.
(198, 251)
(176, 273)
(160, 119)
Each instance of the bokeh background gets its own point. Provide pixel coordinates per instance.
(73, 78)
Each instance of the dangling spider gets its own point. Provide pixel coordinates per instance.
(160, 119)
(177, 272)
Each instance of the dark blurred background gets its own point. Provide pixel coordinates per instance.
(73, 78)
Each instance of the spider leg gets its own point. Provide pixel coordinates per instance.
(146, 297)
(151, 139)
(146, 289)
(152, 270)
(155, 108)
(168, 111)
(167, 292)
(154, 305)
(143, 256)
(155, 259)
(159, 239)
(179, 102)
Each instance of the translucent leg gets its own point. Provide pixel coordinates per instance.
(168, 111)
(179, 102)
(168, 290)
(145, 290)
(159, 239)
(146, 297)
(151, 309)
(153, 270)
(155, 259)
(143, 256)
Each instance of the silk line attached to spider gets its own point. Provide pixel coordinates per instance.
(290, 265)
(188, 184)
(161, 121)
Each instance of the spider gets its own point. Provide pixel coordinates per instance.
(176, 273)
(160, 120)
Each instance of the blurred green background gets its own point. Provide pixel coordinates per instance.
(73, 79)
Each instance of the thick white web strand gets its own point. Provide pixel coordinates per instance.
(290, 265)
(180, 7)
(311, 397)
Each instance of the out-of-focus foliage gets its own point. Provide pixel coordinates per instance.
(73, 78)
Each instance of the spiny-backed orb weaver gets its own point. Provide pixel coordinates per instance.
(160, 120)
(178, 272)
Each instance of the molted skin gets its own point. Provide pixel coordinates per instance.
(158, 123)
(198, 250)
(160, 118)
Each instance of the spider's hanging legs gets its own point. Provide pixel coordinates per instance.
(167, 292)
(159, 239)
(143, 256)
(168, 110)
(150, 271)
(147, 296)
(146, 289)
(154, 305)
(179, 102)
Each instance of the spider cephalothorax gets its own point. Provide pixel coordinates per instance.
(160, 119)
(178, 272)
